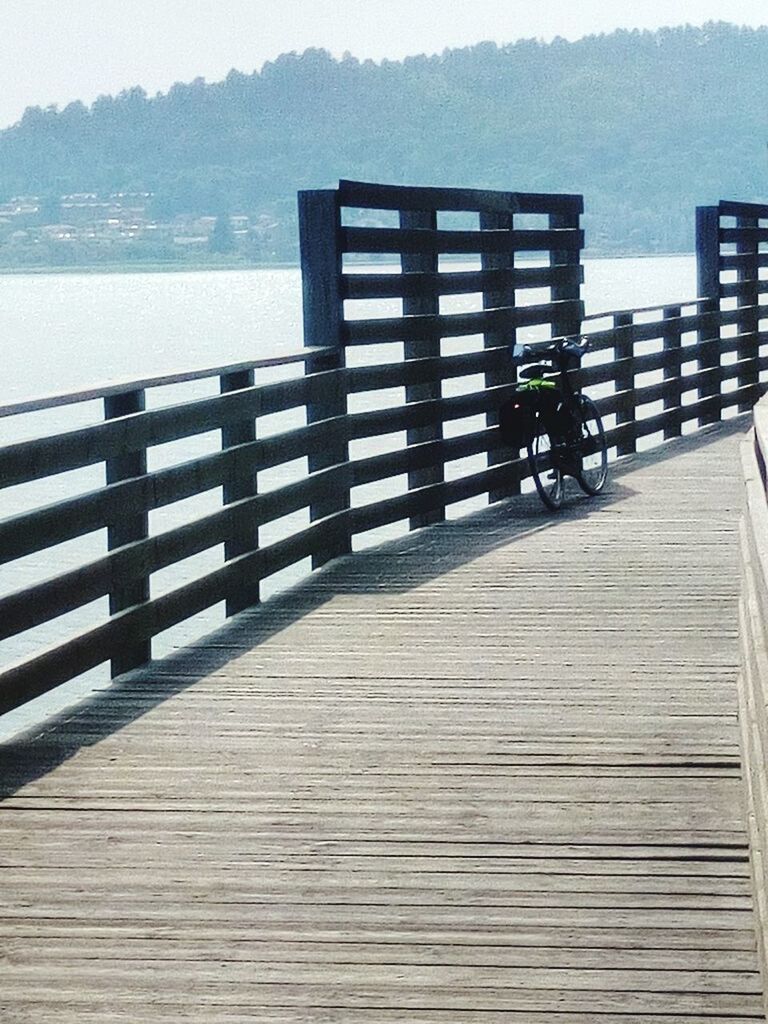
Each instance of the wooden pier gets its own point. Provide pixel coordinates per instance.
(486, 773)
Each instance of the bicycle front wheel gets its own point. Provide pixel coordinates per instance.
(593, 460)
(546, 473)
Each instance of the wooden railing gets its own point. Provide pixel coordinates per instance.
(387, 420)
(653, 375)
(753, 681)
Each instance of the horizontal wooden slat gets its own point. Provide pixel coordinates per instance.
(111, 388)
(420, 456)
(734, 289)
(736, 261)
(369, 195)
(632, 313)
(419, 414)
(664, 359)
(731, 208)
(462, 282)
(419, 371)
(397, 240)
(751, 236)
(631, 401)
(451, 325)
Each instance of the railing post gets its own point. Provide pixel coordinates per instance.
(245, 537)
(494, 299)
(126, 530)
(321, 269)
(568, 317)
(672, 337)
(624, 349)
(748, 299)
(708, 272)
(422, 348)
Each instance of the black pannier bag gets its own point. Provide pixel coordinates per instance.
(517, 416)
(516, 419)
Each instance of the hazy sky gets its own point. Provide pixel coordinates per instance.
(54, 51)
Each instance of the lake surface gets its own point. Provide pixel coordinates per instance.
(64, 331)
(68, 331)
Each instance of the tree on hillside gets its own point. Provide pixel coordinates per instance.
(222, 240)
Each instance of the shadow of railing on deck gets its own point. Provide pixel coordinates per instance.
(429, 554)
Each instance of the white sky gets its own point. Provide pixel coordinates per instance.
(54, 51)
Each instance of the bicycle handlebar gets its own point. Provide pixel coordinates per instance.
(563, 346)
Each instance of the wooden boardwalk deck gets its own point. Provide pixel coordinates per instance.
(489, 773)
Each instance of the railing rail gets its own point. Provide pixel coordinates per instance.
(110, 388)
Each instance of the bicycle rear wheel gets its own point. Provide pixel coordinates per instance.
(593, 460)
(546, 473)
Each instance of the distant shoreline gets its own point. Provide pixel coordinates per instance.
(196, 268)
(141, 268)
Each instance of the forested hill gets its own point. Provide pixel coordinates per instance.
(646, 125)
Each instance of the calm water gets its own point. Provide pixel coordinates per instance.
(64, 332)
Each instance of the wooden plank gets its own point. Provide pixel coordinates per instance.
(566, 298)
(116, 388)
(453, 325)
(397, 240)
(460, 282)
(368, 195)
(667, 391)
(606, 372)
(422, 370)
(748, 302)
(321, 261)
(379, 467)
(673, 364)
(387, 421)
(653, 330)
(733, 288)
(745, 233)
(493, 338)
(704, 407)
(732, 208)
(737, 262)
(128, 529)
(624, 353)
(245, 536)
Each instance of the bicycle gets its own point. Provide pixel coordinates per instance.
(559, 426)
